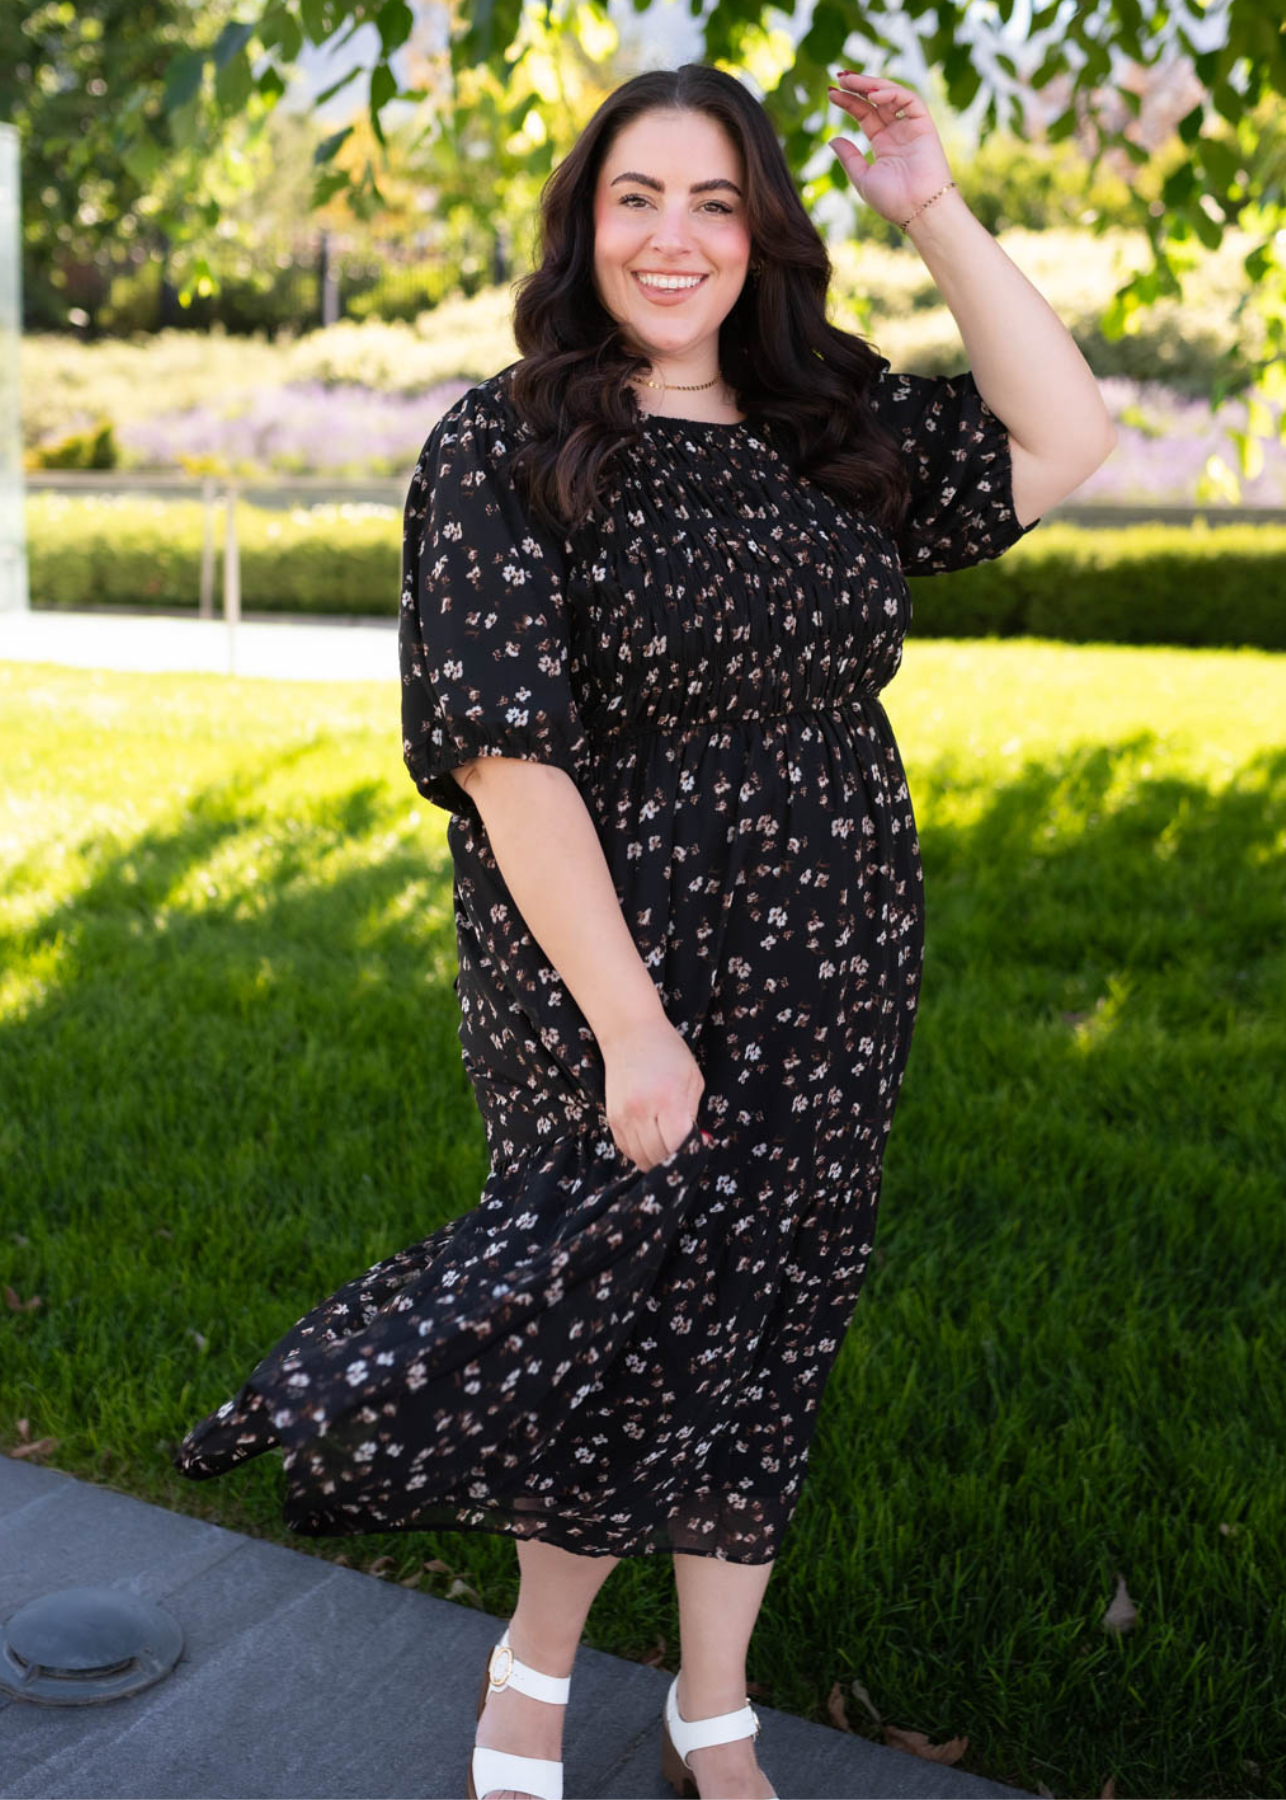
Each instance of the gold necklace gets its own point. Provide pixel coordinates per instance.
(681, 387)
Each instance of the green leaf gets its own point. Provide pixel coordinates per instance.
(328, 146)
(1179, 185)
(962, 89)
(1208, 230)
(292, 38)
(270, 84)
(326, 186)
(383, 86)
(1259, 261)
(828, 33)
(1228, 102)
(272, 24)
(1190, 123)
(234, 36)
(316, 24)
(184, 123)
(1250, 453)
(1220, 159)
(183, 79)
(330, 92)
(233, 84)
(142, 159)
(395, 22)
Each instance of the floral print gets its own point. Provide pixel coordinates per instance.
(625, 1362)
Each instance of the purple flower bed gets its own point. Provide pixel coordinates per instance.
(303, 428)
(309, 427)
(1165, 438)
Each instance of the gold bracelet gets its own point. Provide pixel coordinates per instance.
(928, 202)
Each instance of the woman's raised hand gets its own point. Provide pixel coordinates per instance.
(910, 164)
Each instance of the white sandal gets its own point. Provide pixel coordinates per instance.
(680, 1736)
(502, 1771)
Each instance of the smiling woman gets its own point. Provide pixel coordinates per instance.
(650, 640)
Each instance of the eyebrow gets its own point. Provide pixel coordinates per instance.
(698, 187)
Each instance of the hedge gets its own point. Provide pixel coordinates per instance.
(1202, 585)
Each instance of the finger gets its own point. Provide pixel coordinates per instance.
(855, 104)
(631, 1149)
(872, 124)
(672, 1125)
(876, 90)
(651, 1149)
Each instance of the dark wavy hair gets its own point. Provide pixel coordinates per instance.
(803, 377)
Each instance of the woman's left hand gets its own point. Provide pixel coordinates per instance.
(910, 164)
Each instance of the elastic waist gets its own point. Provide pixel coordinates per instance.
(852, 703)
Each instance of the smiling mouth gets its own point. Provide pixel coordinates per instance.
(654, 288)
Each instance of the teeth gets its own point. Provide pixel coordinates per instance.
(671, 281)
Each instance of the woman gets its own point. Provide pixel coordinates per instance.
(653, 586)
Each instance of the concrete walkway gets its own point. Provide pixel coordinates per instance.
(298, 1678)
(279, 647)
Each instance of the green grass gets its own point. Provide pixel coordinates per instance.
(231, 1080)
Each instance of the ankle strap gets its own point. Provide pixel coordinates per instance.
(505, 1670)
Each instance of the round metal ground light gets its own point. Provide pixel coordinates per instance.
(86, 1645)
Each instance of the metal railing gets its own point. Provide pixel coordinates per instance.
(224, 491)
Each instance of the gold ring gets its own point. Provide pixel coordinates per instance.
(900, 111)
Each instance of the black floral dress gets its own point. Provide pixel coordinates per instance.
(620, 1361)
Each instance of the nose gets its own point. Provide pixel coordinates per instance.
(673, 232)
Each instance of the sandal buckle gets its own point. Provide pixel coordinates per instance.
(498, 1681)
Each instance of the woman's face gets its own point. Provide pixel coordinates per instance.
(671, 200)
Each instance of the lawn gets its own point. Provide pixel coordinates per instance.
(230, 1080)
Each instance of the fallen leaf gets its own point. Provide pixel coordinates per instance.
(41, 1447)
(379, 1565)
(916, 1744)
(857, 1688)
(1108, 1789)
(1121, 1614)
(835, 1708)
(655, 1657)
(459, 1586)
(20, 1305)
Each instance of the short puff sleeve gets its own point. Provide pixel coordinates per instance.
(958, 457)
(482, 631)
